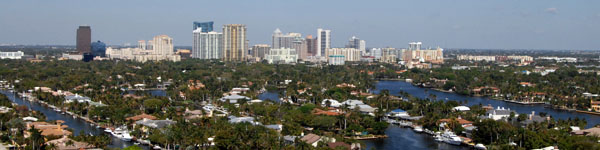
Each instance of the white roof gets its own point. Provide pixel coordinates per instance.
(462, 108)
(30, 119)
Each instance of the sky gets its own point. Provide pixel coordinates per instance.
(473, 24)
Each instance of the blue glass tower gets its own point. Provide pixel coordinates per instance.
(99, 49)
(206, 26)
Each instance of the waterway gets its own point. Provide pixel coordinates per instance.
(398, 138)
(405, 138)
(76, 124)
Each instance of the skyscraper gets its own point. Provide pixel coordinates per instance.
(281, 40)
(84, 39)
(205, 26)
(355, 42)
(311, 45)
(99, 49)
(323, 41)
(234, 42)
(300, 46)
(163, 45)
(261, 50)
(207, 45)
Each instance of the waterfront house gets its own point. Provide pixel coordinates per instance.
(156, 124)
(341, 145)
(595, 105)
(595, 131)
(194, 114)
(74, 145)
(332, 103)
(233, 98)
(76, 97)
(234, 119)
(532, 118)
(48, 129)
(497, 114)
(276, 127)
(238, 91)
(311, 139)
(462, 122)
(140, 117)
(397, 113)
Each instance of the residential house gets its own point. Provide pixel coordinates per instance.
(311, 139)
(156, 124)
(233, 98)
(332, 103)
(498, 114)
(49, 129)
(61, 144)
(140, 117)
(595, 131)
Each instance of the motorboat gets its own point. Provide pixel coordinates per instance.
(438, 138)
(156, 147)
(108, 130)
(122, 134)
(480, 146)
(418, 129)
(451, 138)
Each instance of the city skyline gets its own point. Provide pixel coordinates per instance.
(497, 25)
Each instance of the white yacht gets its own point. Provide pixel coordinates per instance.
(418, 129)
(122, 133)
(451, 138)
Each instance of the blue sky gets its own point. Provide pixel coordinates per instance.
(502, 24)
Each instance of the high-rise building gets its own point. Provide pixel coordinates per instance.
(281, 40)
(282, 56)
(235, 45)
(414, 46)
(311, 45)
(300, 46)
(388, 55)
(84, 39)
(260, 50)
(205, 26)
(207, 45)
(416, 54)
(323, 41)
(163, 45)
(158, 49)
(99, 49)
(350, 54)
(357, 43)
(142, 44)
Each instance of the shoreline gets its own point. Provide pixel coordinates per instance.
(508, 101)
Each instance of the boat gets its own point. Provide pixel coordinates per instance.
(156, 147)
(451, 138)
(108, 130)
(122, 133)
(145, 142)
(418, 129)
(438, 138)
(480, 146)
(136, 143)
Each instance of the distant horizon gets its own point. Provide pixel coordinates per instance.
(368, 48)
(474, 24)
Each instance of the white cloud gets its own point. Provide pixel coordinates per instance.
(552, 10)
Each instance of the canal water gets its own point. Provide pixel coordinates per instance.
(398, 137)
(77, 125)
(405, 138)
